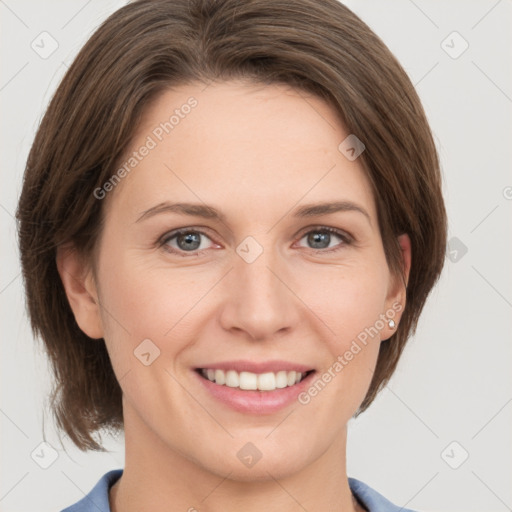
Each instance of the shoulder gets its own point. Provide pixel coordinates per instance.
(371, 499)
(97, 499)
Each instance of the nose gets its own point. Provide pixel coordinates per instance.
(260, 299)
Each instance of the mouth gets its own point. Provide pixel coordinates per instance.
(251, 387)
(250, 381)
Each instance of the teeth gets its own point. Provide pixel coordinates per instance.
(248, 380)
(266, 381)
(232, 379)
(220, 376)
(252, 381)
(281, 379)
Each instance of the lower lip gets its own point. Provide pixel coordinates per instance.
(254, 401)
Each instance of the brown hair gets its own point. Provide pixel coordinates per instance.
(320, 47)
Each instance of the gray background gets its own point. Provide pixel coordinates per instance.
(451, 396)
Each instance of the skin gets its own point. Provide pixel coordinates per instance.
(256, 153)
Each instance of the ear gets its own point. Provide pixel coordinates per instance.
(395, 301)
(80, 288)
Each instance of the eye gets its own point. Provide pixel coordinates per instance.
(193, 242)
(185, 241)
(320, 238)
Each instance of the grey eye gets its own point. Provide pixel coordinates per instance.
(189, 241)
(186, 241)
(319, 240)
(322, 238)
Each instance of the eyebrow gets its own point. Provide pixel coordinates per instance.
(209, 212)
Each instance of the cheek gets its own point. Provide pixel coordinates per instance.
(350, 307)
(348, 298)
(156, 302)
(161, 304)
(350, 301)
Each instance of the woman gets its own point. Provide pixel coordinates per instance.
(230, 221)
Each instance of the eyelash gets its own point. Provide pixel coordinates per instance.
(346, 240)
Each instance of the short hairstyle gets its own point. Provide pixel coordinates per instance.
(316, 46)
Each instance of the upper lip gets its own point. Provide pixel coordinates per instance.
(257, 367)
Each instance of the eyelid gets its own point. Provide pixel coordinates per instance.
(320, 227)
(202, 230)
(347, 238)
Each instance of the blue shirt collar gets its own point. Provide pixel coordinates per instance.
(97, 500)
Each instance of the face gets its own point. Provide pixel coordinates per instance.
(252, 280)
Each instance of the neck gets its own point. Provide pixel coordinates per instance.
(160, 479)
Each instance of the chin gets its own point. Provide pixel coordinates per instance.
(263, 470)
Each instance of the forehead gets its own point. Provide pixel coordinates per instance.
(240, 144)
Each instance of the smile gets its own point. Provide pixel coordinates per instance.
(244, 380)
(254, 387)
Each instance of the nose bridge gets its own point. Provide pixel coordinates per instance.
(260, 302)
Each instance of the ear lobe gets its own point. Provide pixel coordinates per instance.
(78, 281)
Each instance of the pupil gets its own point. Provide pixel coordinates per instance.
(191, 240)
(318, 240)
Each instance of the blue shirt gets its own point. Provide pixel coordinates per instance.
(97, 499)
